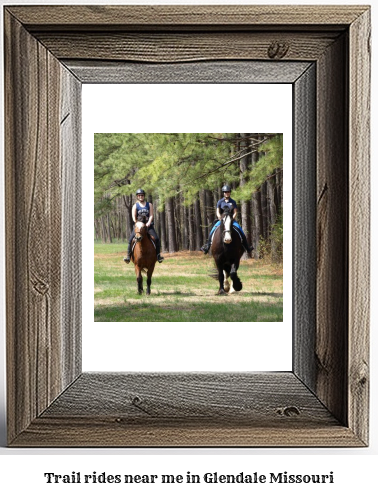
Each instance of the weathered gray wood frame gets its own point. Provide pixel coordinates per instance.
(49, 52)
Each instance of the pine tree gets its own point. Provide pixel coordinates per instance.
(182, 174)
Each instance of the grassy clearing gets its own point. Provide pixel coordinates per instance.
(182, 290)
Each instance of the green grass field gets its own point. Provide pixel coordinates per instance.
(182, 290)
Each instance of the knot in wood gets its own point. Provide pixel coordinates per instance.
(139, 403)
(288, 411)
(361, 375)
(278, 50)
(41, 287)
(136, 400)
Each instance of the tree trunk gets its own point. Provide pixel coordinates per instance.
(109, 229)
(197, 224)
(172, 245)
(103, 227)
(119, 210)
(273, 216)
(97, 231)
(177, 215)
(123, 233)
(191, 228)
(127, 201)
(257, 213)
(271, 199)
(215, 201)
(163, 231)
(245, 205)
(265, 213)
(264, 205)
(201, 196)
(157, 216)
(209, 212)
(279, 190)
(184, 226)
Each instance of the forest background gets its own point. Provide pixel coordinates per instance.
(182, 175)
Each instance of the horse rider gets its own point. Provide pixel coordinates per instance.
(143, 208)
(227, 201)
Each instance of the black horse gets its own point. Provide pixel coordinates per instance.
(227, 250)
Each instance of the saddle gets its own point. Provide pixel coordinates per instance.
(233, 227)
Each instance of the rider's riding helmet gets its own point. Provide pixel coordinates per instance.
(226, 188)
(140, 191)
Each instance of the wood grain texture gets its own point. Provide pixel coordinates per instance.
(184, 16)
(100, 432)
(359, 226)
(33, 221)
(197, 409)
(331, 351)
(199, 72)
(304, 230)
(243, 397)
(70, 140)
(324, 402)
(33, 228)
(180, 47)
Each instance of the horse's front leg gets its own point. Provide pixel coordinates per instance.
(236, 283)
(149, 280)
(221, 290)
(139, 277)
(226, 282)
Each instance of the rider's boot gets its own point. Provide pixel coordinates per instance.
(205, 248)
(127, 258)
(247, 248)
(159, 257)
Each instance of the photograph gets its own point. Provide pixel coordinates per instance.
(183, 219)
(133, 229)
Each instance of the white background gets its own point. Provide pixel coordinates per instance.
(354, 469)
(185, 346)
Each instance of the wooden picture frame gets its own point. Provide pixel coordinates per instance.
(49, 52)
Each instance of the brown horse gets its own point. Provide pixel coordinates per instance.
(143, 256)
(227, 250)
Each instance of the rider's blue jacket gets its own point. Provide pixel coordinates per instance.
(223, 203)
